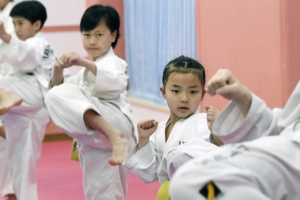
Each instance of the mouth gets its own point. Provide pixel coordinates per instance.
(183, 108)
(93, 49)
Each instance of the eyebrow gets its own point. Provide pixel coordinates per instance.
(177, 86)
(98, 30)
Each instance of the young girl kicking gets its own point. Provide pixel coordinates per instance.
(91, 106)
(183, 88)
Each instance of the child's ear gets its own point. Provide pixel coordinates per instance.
(113, 36)
(37, 25)
(162, 90)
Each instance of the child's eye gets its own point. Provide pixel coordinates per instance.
(86, 35)
(194, 92)
(174, 91)
(99, 35)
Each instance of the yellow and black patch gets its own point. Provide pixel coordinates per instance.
(210, 191)
(74, 152)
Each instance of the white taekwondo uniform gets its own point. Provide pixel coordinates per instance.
(6, 186)
(105, 94)
(264, 168)
(150, 162)
(32, 61)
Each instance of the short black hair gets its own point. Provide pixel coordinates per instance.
(95, 14)
(30, 10)
(184, 65)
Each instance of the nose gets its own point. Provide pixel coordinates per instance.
(92, 41)
(184, 98)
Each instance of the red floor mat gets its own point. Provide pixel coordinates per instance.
(60, 178)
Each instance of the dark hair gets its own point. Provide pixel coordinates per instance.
(30, 10)
(184, 65)
(95, 14)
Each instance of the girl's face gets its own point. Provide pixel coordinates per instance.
(183, 93)
(97, 42)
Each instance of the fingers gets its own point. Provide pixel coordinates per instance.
(222, 78)
(67, 60)
(147, 124)
(212, 113)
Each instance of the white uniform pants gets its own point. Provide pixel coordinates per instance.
(25, 129)
(6, 186)
(67, 104)
(266, 168)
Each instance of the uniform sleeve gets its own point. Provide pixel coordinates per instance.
(9, 26)
(23, 55)
(175, 158)
(231, 127)
(111, 79)
(144, 163)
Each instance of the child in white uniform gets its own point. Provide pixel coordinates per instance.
(6, 188)
(31, 61)
(265, 168)
(183, 88)
(91, 106)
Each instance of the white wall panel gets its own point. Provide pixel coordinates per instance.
(64, 42)
(64, 12)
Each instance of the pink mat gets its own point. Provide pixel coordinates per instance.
(59, 177)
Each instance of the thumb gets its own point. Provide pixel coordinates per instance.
(206, 107)
(226, 91)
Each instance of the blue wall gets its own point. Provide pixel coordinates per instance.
(156, 31)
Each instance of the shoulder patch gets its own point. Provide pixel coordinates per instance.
(210, 191)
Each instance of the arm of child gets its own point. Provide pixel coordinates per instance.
(145, 129)
(212, 114)
(111, 79)
(3, 34)
(69, 60)
(144, 159)
(246, 117)
(227, 85)
(23, 55)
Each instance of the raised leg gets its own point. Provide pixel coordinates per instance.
(8, 100)
(119, 143)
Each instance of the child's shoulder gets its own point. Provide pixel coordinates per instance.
(113, 61)
(38, 39)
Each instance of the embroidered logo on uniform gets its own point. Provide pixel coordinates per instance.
(182, 142)
(210, 191)
(47, 52)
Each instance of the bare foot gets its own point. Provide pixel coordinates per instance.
(120, 147)
(11, 197)
(8, 100)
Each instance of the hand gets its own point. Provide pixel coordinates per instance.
(71, 59)
(227, 85)
(146, 128)
(2, 29)
(212, 114)
(3, 34)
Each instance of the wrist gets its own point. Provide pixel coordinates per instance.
(244, 102)
(6, 37)
(90, 65)
(142, 142)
